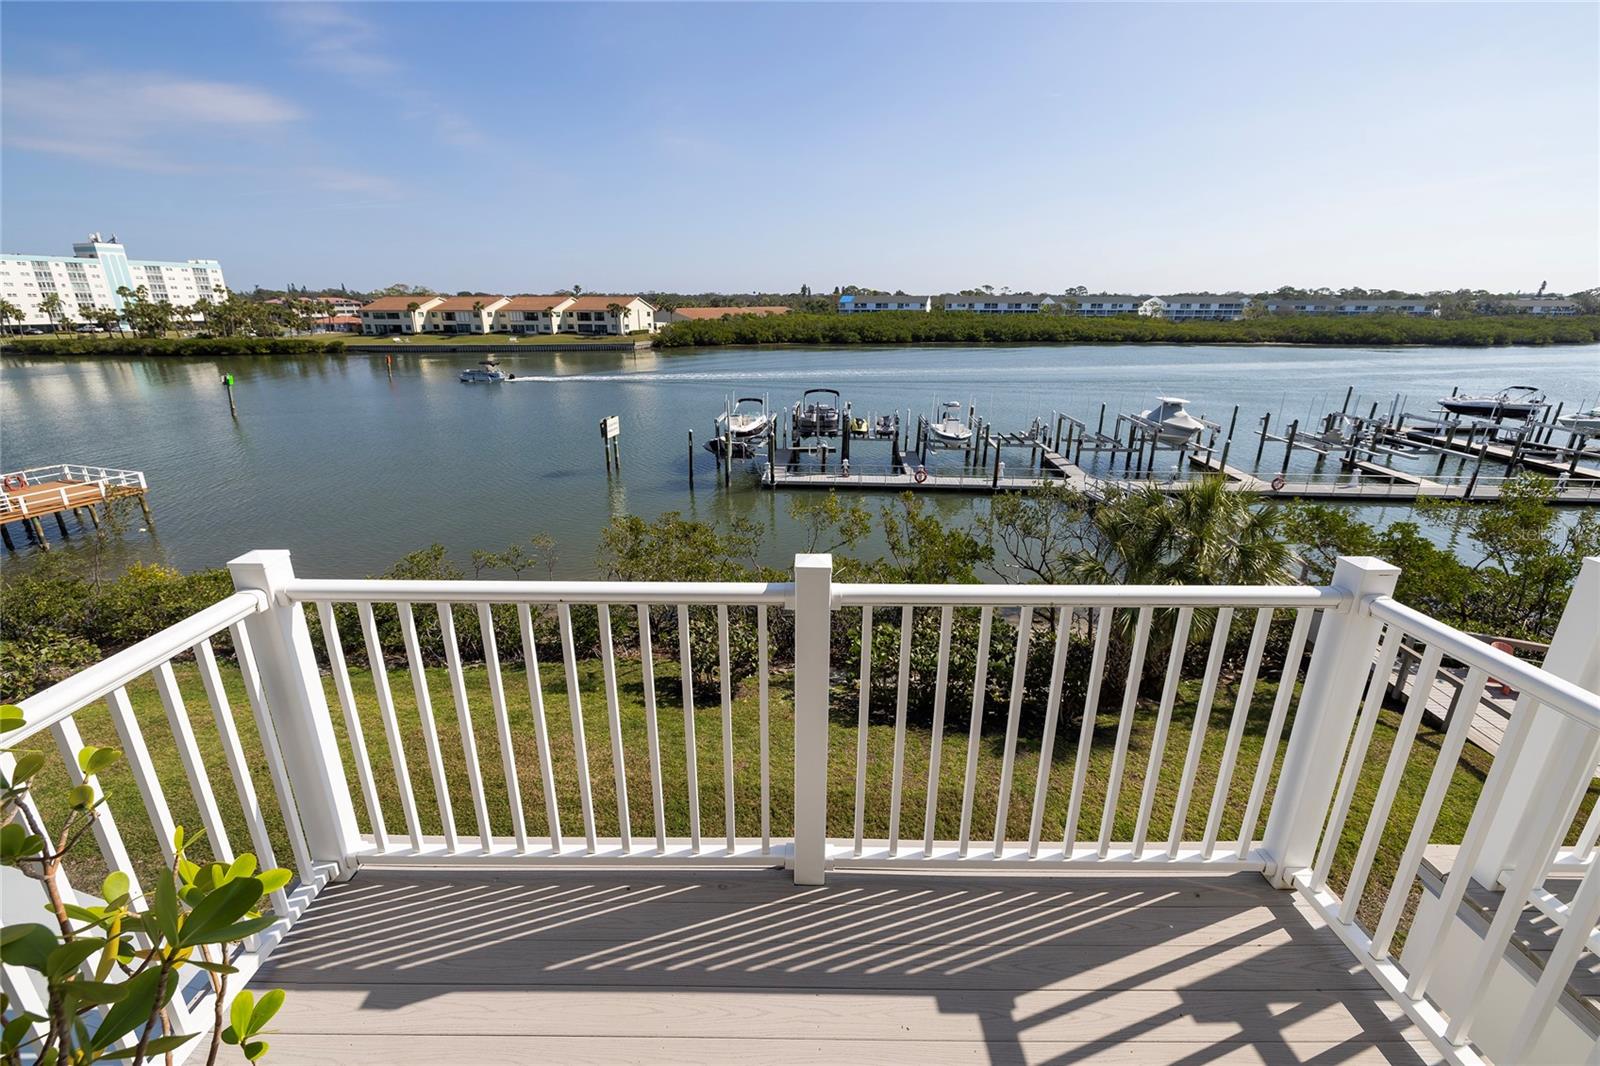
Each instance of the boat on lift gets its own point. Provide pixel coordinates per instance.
(489, 372)
(950, 430)
(817, 414)
(1583, 423)
(886, 426)
(1513, 401)
(746, 421)
(1174, 424)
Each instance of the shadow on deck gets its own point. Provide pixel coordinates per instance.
(696, 966)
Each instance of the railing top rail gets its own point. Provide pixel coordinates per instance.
(61, 700)
(58, 468)
(732, 593)
(1281, 596)
(1574, 701)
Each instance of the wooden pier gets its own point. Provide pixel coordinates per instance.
(29, 496)
(1514, 455)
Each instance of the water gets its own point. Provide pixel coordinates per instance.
(350, 468)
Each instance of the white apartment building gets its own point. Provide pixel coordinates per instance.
(531, 314)
(1193, 307)
(1104, 305)
(397, 314)
(1541, 305)
(861, 304)
(1011, 303)
(607, 314)
(462, 314)
(507, 314)
(89, 279)
(1335, 305)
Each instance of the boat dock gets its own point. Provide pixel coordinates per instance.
(29, 496)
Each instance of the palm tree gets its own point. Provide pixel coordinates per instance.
(620, 313)
(477, 314)
(9, 312)
(50, 304)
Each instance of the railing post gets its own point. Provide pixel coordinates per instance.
(813, 619)
(298, 707)
(1347, 643)
(1558, 759)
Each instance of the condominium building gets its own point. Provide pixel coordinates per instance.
(531, 314)
(859, 304)
(397, 314)
(1539, 305)
(88, 280)
(462, 314)
(1011, 303)
(607, 314)
(508, 314)
(1335, 305)
(1192, 307)
(1103, 305)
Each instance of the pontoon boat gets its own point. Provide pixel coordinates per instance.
(817, 413)
(490, 372)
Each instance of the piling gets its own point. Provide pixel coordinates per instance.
(1059, 418)
(1288, 445)
(1266, 420)
(1473, 482)
(1349, 394)
(61, 524)
(844, 451)
(996, 482)
(227, 383)
(691, 460)
(5, 537)
(1101, 428)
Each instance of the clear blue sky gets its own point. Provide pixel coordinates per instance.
(524, 147)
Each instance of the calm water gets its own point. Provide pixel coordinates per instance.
(350, 468)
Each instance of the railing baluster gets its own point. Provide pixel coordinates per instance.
(936, 740)
(766, 759)
(502, 723)
(1158, 743)
(1047, 739)
(580, 746)
(272, 751)
(1241, 711)
(143, 769)
(1091, 704)
(244, 782)
(1427, 816)
(541, 732)
(112, 848)
(1130, 704)
(725, 675)
(352, 723)
(902, 685)
(1008, 762)
(1399, 758)
(691, 758)
(1269, 743)
(430, 729)
(619, 769)
(1356, 760)
(469, 738)
(980, 682)
(1202, 720)
(864, 702)
(194, 767)
(647, 676)
(1582, 914)
(391, 723)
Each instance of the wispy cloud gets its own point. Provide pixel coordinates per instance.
(336, 39)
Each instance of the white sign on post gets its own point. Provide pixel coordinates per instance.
(611, 426)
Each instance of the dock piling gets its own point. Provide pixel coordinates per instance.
(1266, 420)
(1288, 444)
(691, 460)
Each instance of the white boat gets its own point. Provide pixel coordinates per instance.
(746, 420)
(1514, 401)
(815, 415)
(950, 429)
(1584, 423)
(489, 372)
(1174, 425)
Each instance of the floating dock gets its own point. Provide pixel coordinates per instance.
(29, 496)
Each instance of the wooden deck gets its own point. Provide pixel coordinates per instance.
(696, 966)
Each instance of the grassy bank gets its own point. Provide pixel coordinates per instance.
(1467, 781)
(895, 327)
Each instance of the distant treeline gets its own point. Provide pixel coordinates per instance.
(910, 327)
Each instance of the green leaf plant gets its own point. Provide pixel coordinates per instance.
(109, 969)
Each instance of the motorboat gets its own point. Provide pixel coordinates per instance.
(817, 413)
(1514, 401)
(886, 426)
(489, 371)
(1174, 424)
(1583, 423)
(746, 420)
(949, 429)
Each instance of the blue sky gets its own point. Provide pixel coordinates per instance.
(524, 147)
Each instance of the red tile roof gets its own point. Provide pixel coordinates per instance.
(464, 303)
(535, 303)
(396, 303)
(600, 303)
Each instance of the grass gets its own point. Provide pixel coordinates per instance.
(1467, 777)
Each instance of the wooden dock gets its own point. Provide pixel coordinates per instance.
(29, 496)
(1500, 453)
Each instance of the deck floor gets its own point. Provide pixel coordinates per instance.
(697, 966)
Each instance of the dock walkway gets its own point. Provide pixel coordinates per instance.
(26, 496)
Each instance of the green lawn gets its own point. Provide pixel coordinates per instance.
(135, 828)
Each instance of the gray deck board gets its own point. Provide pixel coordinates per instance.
(703, 966)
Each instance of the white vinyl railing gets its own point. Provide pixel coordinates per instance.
(22, 492)
(348, 787)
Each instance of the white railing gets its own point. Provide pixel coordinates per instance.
(27, 492)
(351, 787)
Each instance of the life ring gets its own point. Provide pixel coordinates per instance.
(921, 475)
(1278, 483)
(1505, 689)
(15, 481)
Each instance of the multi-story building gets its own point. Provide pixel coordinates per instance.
(1103, 304)
(397, 314)
(507, 314)
(859, 304)
(1010, 303)
(88, 280)
(607, 314)
(1336, 305)
(1193, 307)
(1539, 305)
(531, 314)
(462, 314)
